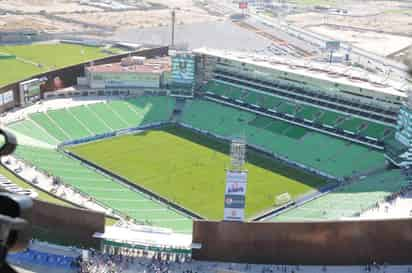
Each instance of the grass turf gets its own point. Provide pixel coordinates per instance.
(189, 169)
(50, 56)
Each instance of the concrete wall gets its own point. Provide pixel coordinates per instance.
(334, 242)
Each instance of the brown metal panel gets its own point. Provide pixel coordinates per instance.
(77, 224)
(335, 242)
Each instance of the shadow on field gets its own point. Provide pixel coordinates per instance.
(253, 157)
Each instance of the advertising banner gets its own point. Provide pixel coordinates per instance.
(234, 214)
(236, 183)
(8, 97)
(235, 195)
(234, 201)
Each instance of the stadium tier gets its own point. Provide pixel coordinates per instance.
(328, 118)
(30, 128)
(104, 190)
(87, 120)
(330, 155)
(348, 200)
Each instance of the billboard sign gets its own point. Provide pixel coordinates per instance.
(30, 90)
(6, 97)
(332, 45)
(235, 193)
(231, 214)
(234, 201)
(236, 183)
(183, 69)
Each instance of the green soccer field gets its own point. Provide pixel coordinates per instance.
(189, 169)
(37, 58)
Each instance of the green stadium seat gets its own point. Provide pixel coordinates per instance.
(69, 124)
(351, 124)
(307, 112)
(90, 119)
(29, 128)
(375, 130)
(50, 126)
(106, 191)
(287, 108)
(347, 200)
(295, 142)
(329, 118)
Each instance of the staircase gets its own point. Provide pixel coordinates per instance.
(177, 112)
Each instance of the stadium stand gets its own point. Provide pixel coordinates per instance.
(44, 121)
(104, 190)
(89, 119)
(83, 121)
(331, 155)
(55, 126)
(348, 200)
(395, 150)
(376, 130)
(301, 94)
(329, 119)
(327, 154)
(294, 108)
(67, 123)
(30, 128)
(308, 113)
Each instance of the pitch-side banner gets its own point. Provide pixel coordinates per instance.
(236, 183)
(234, 201)
(234, 214)
(235, 196)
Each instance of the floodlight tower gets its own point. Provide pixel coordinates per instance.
(237, 154)
(172, 42)
(236, 182)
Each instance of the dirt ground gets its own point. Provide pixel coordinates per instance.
(48, 5)
(143, 19)
(35, 19)
(382, 27)
(36, 22)
(379, 43)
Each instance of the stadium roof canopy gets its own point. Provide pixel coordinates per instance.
(337, 73)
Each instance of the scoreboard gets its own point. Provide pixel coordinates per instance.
(30, 91)
(183, 69)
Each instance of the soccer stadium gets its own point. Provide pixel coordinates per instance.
(217, 157)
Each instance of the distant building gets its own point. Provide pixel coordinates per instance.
(131, 72)
(18, 36)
